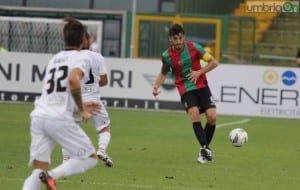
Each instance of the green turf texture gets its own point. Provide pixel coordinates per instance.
(158, 150)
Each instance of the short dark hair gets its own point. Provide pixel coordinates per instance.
(176, 29)
(86, 33)
(73, 32)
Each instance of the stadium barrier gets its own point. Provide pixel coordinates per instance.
(238, 89)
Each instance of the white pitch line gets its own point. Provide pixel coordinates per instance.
(133, 186)
(234, 123)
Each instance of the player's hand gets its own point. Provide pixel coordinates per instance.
(92, 107)
(193, 75)
(85, 115)
(155, 91)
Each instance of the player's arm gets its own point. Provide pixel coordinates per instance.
(298, 61)
(211, 64)
(103, 80)
(102, 71)
(298, 58)
(158, 82)
(161, 77)
(74, 82)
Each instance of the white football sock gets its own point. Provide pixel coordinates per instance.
(33, 182)
(72, 167)
(104, 139)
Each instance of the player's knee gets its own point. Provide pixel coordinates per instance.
(194, 113)
(211, 119)
(94, 156)
(211, 116)
(105, 129)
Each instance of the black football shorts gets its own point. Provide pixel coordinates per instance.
(202, 98)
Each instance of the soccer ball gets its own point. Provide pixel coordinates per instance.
(238, 137)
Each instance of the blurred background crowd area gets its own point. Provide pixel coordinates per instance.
(138, 28)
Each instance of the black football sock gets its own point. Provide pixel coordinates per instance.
(200, 134)
(209, 131)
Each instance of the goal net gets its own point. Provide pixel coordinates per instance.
(39, 35)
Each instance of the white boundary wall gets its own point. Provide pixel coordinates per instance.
(238, 89)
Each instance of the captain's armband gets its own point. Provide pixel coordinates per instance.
(207, 57)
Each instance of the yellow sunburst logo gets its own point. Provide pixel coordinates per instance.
(270, 76)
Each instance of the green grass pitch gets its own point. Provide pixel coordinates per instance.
(157, 150)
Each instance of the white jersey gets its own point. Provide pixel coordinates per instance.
(90, 89)
(56, 101)
(94, 47)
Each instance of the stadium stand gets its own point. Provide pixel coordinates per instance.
(277, 38)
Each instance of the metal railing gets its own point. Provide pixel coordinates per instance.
(259, 59)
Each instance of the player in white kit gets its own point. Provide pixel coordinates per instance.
(90, 90)
(52, 120)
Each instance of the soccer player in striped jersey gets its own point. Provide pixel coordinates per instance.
(182, 59)
(298, 58)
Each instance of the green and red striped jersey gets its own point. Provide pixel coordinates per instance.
(180, 64)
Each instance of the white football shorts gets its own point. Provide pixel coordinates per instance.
(47, 133)
(101, 119)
